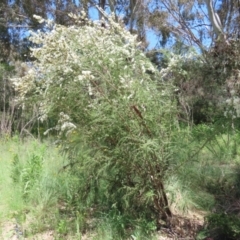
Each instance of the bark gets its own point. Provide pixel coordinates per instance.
(214, 19)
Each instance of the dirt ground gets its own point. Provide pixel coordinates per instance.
(9, 231)
(184, 230)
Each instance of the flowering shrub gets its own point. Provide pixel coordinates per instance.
(115, 113)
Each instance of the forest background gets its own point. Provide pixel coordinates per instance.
(106, 135)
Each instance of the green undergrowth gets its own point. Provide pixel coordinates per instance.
(209, 180)
(30, 184)
(39, 194)
(36, 190)
(40, 190)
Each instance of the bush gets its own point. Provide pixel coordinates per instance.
(223, 226)
(115, 119)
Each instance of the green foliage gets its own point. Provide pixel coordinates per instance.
(30, 187)
(62, 227)
(31, 173)
(115, 120)
(206, 84)
(118, 126)
(73, 201)
(207, 172)
(16, 169)
(223, 226)
(113, 225)
(27, 175)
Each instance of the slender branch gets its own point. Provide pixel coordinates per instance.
(184, 26)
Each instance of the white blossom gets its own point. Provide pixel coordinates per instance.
(82, 59)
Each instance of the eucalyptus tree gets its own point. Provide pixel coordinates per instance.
(210, 27)
(229, 13)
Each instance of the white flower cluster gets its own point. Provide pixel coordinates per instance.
(175, 63)
(233, 107)
(82, 60)
(64, 126)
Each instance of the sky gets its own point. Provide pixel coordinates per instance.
(152, 39)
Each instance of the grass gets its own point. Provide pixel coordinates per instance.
(9, 199)
(30, 199)
(40, 196)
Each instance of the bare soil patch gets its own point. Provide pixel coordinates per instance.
(10, 231)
